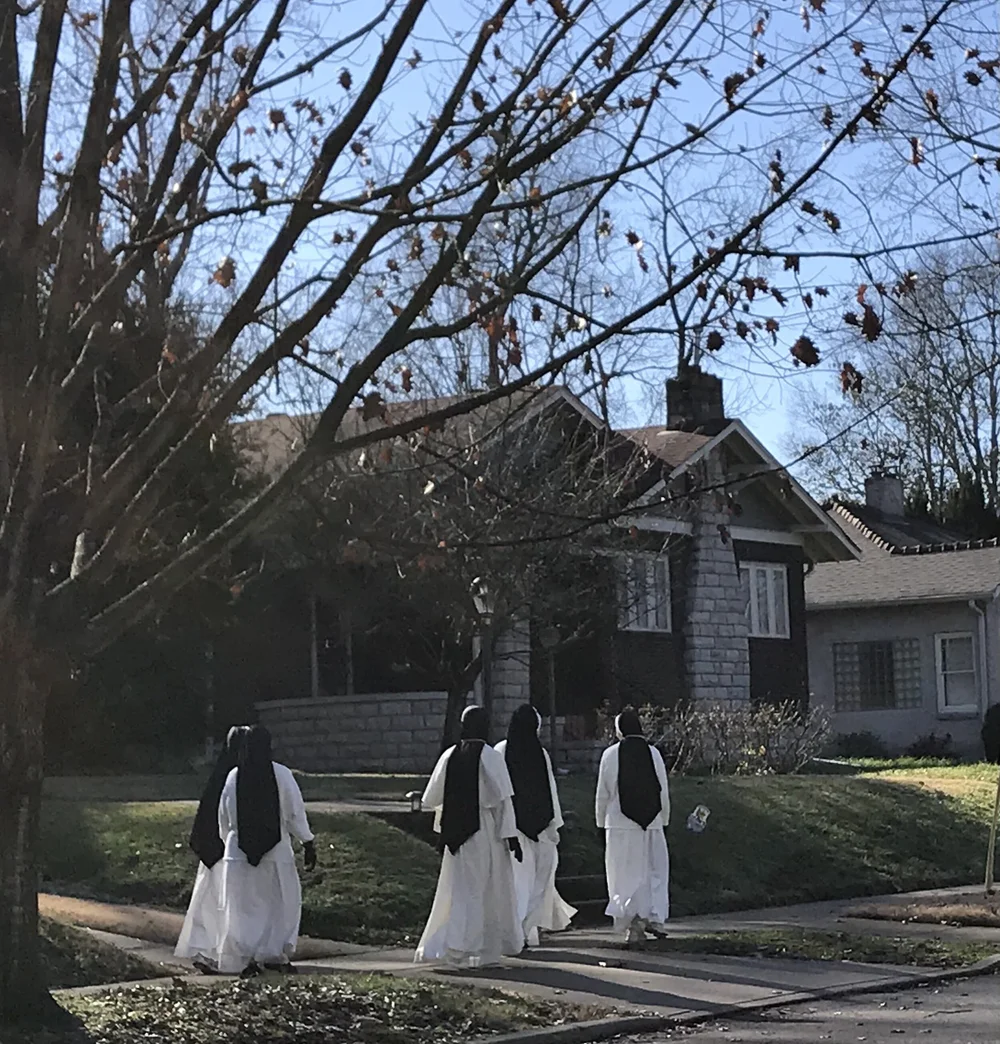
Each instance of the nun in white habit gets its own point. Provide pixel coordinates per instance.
(260, 812)
(539, 819)
(633, 808)
(199, 938)
(473, 921)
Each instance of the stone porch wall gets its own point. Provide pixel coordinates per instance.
(385, 732)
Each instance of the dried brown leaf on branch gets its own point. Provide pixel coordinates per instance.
(860, 295)
(241, 167)
(714, 341)
(851, 381)
(406, 377)
(777, 175)
(730, 85)
(225, 273)
(828, 117)
(973, 78)
(871, 324)
(932, 101)
(906, 284)
(373, 407)
(345, 79)
(276, 117)
(832, 220)
(241, 55)
(808, 207)
(805, 352)
(791, 262)
(857, 47)
(478, 101)
(916, 152)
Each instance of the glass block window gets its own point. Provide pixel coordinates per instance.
(877, 675)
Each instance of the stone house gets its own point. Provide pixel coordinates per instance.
(904, 643)
(703, 599)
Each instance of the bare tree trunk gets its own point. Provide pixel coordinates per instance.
(23, 996)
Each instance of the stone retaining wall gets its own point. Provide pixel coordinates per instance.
(385, 732)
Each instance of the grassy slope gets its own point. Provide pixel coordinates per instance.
(770, 840)
(774, 840)
(375, 883)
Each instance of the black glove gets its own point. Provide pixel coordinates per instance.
(515, 846)
(309, 855)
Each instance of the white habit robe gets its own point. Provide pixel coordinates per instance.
(473, 920)
(539, 905)
(636, 860)
(261, 905)
(199, 938)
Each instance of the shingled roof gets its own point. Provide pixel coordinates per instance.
(899, 565)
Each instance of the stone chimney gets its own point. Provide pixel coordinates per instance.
(884, 493)
(694, 402)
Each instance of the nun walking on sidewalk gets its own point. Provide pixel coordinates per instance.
(260, 812)
(199, 938)
(539, 819)
(633, 809)
(473, 921)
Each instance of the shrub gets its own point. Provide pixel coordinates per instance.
(736, 738)
(860, 745)
(931, 746)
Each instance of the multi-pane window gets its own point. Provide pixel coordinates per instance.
(765, 585)
(877, 675)
(956, 674)
(643, 593)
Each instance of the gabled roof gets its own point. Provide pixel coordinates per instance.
(671, 447)
(271, 441)
(824, 541)
(901, 573)
(900, 533)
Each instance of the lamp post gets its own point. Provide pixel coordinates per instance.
(485, 604)
(549, 638)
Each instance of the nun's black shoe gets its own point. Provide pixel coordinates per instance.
(283, 968)
(251, 971)
(203, 968)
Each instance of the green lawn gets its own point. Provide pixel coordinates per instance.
(770, 840)
(802, 944)
(374, 884)
(783, 839)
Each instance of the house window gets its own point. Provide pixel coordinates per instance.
(643, 593)
(956, 674)
(877, 675)
(765, 586)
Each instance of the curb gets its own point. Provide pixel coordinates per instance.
(617, 1026)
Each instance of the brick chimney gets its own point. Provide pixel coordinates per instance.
(694, 402)
(884, 493)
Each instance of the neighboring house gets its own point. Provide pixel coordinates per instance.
(704, 599)
(905, 642)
